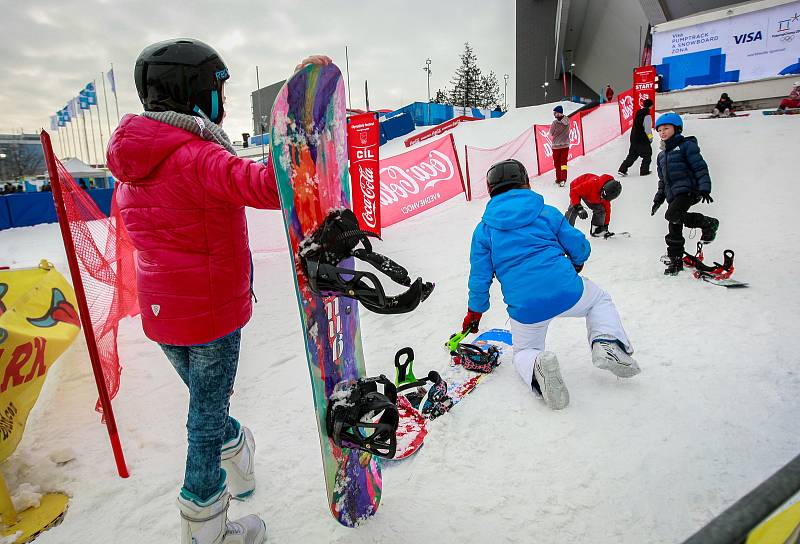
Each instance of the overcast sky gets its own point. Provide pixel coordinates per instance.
(52, 48)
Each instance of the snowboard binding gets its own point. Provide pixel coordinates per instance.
(361, 417)
(720, 271)
(473, 358)
(335, 240)
(431, 403)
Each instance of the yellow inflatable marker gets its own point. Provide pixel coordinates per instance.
(38, 321)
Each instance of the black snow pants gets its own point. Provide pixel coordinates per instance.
(679, 216)
(645, 151)
(598, 214)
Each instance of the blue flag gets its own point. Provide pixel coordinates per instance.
(90, 93)
(111, 81)
(83, 100)
(65, 114)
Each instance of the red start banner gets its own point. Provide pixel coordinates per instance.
(438, 129)
(418, 180)
(544, 148)
(644, 87)
(627, 110)
(363, 138)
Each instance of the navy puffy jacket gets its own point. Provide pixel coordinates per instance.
(681, 169)
(531, 249)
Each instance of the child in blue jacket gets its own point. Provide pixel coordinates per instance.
(536, 256)
(683, 181)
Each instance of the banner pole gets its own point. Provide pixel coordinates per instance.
(86, 321)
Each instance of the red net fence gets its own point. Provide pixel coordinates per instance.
(105, 258)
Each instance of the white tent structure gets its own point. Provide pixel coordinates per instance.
(80, 170)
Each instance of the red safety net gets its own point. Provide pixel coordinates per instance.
(105, 257)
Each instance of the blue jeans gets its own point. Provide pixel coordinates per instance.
(208, 370)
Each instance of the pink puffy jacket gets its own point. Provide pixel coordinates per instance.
(182, 200)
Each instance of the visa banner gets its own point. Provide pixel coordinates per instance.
(38, 321)
(742, 47)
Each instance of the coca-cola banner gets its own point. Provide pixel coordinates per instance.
(544, 148)
(626, 110)
(363, 137)
(438, 129)
(418, 180)
(644, 87)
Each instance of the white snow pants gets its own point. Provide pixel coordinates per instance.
(602, 322)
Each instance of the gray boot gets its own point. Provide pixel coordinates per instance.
(206, 521)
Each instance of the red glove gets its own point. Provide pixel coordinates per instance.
(471, 321)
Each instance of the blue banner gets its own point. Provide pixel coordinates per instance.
(90, 93)
(83, 99)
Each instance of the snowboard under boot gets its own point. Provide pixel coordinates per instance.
(239, 463)
(709, 229)
(609, 355)
(206, 521)
(547, 375)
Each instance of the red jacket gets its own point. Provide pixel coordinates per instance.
(609, 94)
(587, 187)
(182, 200)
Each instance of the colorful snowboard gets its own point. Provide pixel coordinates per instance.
(460, 383)
(309, 152)
(788, 111)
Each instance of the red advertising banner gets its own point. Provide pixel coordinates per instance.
(626, 110)
(438, 129)
(644, 87)
(363, 138)
(544, 148)
(418, 180)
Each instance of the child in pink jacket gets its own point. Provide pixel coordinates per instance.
(181, 194)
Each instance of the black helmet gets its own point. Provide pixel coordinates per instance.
(505, 175)
(183, 75)
(611, 190)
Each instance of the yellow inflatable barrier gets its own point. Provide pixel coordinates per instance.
(38, 321)
(781, 529)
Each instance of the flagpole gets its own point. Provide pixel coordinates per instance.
(85, 137)
(60, 144)
(72, 134)
(91, 127)
(105, 100)
(114, 89)
(99, 126)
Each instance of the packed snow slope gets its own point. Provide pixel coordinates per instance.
(651, 459)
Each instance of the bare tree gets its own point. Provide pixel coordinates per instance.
(20, 156)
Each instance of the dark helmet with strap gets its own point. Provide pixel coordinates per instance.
(611, 189)
(183, 75)
(506, 175)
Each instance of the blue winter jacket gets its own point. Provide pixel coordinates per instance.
(531, 249)
(681, 169)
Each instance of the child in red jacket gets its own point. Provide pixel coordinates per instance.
(597, 192)
(181, 194)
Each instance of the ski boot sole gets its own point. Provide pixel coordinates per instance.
(548, 375)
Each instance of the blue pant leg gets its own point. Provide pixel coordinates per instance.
(212, 371)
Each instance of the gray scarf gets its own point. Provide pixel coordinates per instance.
(203, 127)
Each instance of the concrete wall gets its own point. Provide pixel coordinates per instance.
(606, 41)
(764, 93)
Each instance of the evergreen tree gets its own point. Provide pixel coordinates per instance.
(467, 81)
(489, 95)
(440, 98)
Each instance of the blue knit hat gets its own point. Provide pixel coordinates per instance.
(558, 109)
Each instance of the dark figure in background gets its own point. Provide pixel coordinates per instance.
(724, 107)
(641, 138)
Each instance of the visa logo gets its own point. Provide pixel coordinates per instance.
(749, 37)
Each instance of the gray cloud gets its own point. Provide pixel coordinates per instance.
(53, 47)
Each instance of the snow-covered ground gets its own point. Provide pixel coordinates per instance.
(651, 459)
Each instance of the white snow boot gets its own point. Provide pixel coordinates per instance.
(238, 461)
(547, 376)
(206, 522)
(608, 355)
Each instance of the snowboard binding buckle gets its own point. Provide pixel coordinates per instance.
(334, 241)
(431, 403)
(361, 417)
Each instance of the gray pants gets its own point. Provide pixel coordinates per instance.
(598, 214)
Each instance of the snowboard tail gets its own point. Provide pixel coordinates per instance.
(309, 151)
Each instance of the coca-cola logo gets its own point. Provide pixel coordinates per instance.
(626, 105)
(400, 183)
(366, 180)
